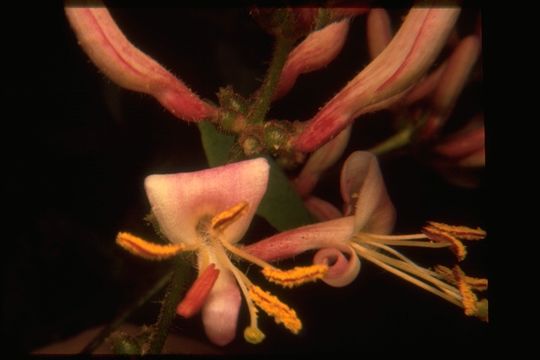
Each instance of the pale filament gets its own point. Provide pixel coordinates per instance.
(245, 255)
(404, 270)
(241, 279)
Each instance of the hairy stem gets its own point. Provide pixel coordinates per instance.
(394, 142)
(263, 97)
(106, 331)
(175, 292)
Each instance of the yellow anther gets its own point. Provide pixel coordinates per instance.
(447, 274)
(145, 249)
(275, 308)
(253, 335)
(296, 276)
(460, 232)
(439, 235)
(468, 298)
(225, 218)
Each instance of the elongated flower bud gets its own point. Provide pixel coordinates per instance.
(315, 52)
(402, 63)
(129, 67)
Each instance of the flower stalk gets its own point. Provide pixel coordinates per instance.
(175, 292)
(106, 332)
(263, 97)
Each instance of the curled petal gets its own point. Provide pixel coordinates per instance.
(402, 63)
(364, 194)
(320, 161)
(341, 271)
(220, 312)
(379, 31)
(322, 210)
(333, 233)
(129, 67)
(315, 52)
(180, 201)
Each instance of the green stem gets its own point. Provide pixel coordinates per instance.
(261, 105)
(175, 292)
(394, 142)
(105, 332)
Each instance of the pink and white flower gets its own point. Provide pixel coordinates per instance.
(362, 233)
(208, 212)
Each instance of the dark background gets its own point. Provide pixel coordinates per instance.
(77, 149)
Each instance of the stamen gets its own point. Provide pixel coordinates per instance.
(410, 243)
(225, 218)
(411, 267)
(447, 274)
(245, 255)
(296, 276)
(460, 232)
(147, 250)
(275, 308)
(397, 254)
(468, 298)
(395, 237)
(252, 333)
(436, 234)
(375, 258)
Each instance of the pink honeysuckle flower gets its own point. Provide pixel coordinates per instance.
(208, 212)
(362, 234)
(430, 103)
(387, 78)
(129, 67)
(445, 83)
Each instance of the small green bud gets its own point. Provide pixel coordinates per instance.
(251, 146)
(124, 344)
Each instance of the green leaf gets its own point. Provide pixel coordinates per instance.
(281, 206)
(217, 146)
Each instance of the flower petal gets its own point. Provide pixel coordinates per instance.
(196, 296)
(364, 193)
(290, 243)
(402, 63)
(320, 161)
(425, 87)
(322, 210)
(465, 142)
(379, 31)
(342, 271)
(129, 67)
(180, 201)
(315, 52)
(451, 83)
(220, 312)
